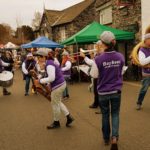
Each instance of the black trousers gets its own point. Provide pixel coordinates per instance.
(96, 101)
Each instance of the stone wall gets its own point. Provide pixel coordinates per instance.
(56, 30)
(126, 18)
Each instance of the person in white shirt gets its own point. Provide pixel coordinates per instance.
(57, 84)
(99, 50)
(28, 65)
(144, 58)
(2, 65)
(66, 70)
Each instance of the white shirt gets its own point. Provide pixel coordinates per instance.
(25, 71)
(67, 66)
(51, 75)
(56, 62)
(94, 72)
(4, 64)
(89, 61)
(143, 59)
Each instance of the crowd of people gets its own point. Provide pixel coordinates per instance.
(107, 66)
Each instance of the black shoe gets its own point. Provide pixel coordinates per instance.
(65, 97)
(26, 94)
(6, 93)
(138, 107)
(54, 125)
(114, 146)
(107, 142)
(98, 112)
(70, 119)
(93, 106)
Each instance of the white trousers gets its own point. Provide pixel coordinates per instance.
(57, 105)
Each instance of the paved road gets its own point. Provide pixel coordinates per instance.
(23, 121)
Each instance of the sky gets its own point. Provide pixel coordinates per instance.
(22, 11)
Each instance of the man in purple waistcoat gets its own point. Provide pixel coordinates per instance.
(144, 58)
(108, 69)
(28, 65)
(66, 70)
(58, 84)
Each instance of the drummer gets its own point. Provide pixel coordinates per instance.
(2, 65)
(8, 59)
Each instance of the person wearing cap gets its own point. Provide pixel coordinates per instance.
(108, 68)
(58, 84)
(66, 70)
(144, 59)
(28, 65)
(99, 50)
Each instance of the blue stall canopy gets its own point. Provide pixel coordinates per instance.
(42, 42)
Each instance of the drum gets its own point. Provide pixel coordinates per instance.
(6, 79)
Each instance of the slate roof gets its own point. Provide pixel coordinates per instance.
(57, 17)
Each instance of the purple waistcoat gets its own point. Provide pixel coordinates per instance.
(110, 66)
(30, 64)
(59, 79)
(146, 51)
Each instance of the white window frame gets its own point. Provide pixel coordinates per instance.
(105, 15)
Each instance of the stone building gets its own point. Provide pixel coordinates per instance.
(124, 15)
(145, 5)
(59, 25)
(120, 14)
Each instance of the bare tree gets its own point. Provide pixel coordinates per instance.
(36, 20)
(6, 33)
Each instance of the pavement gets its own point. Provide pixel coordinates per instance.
(23, 121)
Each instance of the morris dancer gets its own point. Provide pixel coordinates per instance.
(88, 61)
(144, 58)
(28, 65)
(66, 69)
(108, 69)
(58, 85)
(7, 58)
(2, 65)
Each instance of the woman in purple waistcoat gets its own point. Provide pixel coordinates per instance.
(108, 69)
(58, 84)
(144, 58)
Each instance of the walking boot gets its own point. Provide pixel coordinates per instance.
(70, 119)
(54, 125)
